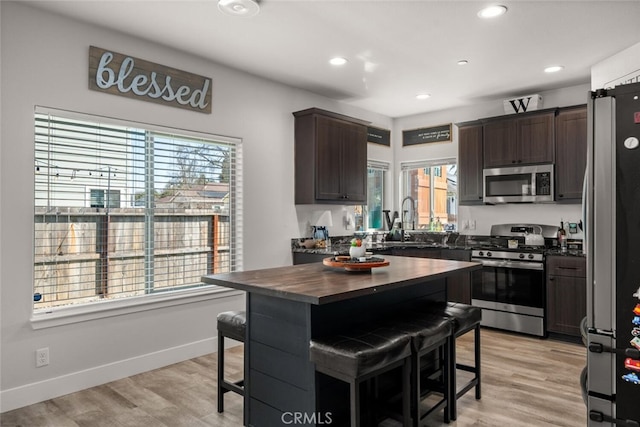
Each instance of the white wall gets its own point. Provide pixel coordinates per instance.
(621, 68)
(485, 216)
(45, 62)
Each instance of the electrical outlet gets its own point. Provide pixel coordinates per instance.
(42, 357)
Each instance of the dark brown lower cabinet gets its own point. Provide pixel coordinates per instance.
(566, 294)
(458, 285)
(307, 258)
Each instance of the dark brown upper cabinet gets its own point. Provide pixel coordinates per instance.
(330, 158)
(470, 164)
(571, 153)
(519, 140)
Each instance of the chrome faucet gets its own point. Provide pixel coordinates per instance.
(413, 213)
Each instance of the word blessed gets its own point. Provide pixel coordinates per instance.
(302, 418)
(123, 75)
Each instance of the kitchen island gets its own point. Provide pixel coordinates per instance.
(287, 306)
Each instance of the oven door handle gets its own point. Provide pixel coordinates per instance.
(510, 264)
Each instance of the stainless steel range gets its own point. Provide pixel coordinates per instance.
(510, 287)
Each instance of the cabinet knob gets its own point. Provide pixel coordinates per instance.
(560, 195)
(513, 161)
(519, 161)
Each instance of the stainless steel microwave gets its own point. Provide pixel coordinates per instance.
(522, 184)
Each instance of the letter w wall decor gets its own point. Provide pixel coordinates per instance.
(123, 75)
(522, 104)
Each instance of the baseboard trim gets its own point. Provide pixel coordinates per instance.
(29, 394)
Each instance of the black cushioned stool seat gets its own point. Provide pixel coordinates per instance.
(429, 332)
(361, 353)
(231, 324)
(465, 318)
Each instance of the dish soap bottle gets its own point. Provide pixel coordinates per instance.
(562, 238)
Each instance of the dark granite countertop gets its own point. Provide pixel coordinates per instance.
(442, 241)
(343, 249)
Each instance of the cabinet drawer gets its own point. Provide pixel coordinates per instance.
(417, 252)
(456, 254)
(566, 266)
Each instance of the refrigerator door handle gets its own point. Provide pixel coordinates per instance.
(596, 347)
(602, 418)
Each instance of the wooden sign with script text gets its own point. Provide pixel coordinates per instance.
(379, 136)
(123, 75)
(424, 135)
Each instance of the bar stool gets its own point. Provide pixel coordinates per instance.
(231, 324)
(362, 353)
(429, 333)
(465, 318)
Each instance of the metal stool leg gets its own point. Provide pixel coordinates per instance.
(453, 405)
(220, 372)
(477, 359)
(355, 402)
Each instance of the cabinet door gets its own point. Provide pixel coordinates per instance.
(535, 139)
(458, 285)
(354, 164)
(566, 304)
(470, 165)
(499, 143)
(329, 141)
(571, 153)
(566, 294)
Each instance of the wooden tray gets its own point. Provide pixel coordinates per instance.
(352, 265)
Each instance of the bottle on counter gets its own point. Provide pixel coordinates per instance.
(562, 238)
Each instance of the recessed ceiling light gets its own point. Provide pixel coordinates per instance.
(423, 96)
(463, 62)
(492, 11)
(239, 7)
(553, 69)
(338, 60)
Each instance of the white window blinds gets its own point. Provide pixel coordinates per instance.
(123, 210)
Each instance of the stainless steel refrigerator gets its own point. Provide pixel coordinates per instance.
(612, 234)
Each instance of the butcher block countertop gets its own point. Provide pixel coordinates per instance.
(318, 284)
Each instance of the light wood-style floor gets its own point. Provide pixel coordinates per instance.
(526, 381)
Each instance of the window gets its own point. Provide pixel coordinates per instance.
(97, 197)
(369, 217)
(124, 210)
(433, 187)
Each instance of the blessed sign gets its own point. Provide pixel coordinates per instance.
(124, 75)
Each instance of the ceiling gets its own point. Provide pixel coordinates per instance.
(396, 49)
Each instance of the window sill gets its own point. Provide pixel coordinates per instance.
(69, 315)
